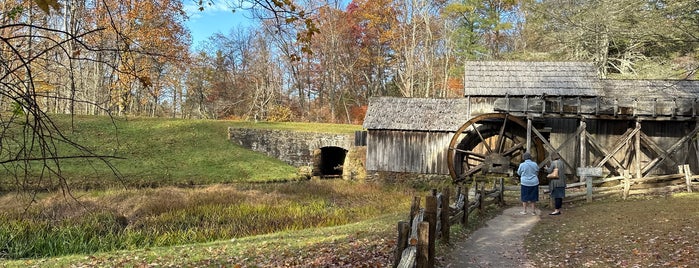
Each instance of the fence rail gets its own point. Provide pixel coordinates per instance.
(627, 186)
(417, 237)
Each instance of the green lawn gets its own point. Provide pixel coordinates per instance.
(156, 152)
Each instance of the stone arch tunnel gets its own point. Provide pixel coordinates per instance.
(329, 161)
(326, 154)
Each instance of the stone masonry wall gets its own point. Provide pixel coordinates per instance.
(293, 147)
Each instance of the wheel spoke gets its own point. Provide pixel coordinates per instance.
(473, 170)
(513, 149)
(472, 155)
(501, 136)
(485, 144)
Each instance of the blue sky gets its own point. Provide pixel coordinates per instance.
(214, 19)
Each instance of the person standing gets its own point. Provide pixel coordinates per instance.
(529, 180)
(557, 186)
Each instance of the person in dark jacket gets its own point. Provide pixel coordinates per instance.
(557, 187)
(528, 172)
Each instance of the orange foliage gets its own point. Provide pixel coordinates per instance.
(357, 114)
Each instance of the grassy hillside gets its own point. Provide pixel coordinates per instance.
(156, 152)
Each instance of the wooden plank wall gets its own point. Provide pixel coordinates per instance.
(408, 151)
(607, 133)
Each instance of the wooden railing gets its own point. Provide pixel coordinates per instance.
(684, 180)
(418, 236)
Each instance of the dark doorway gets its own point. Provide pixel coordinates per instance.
(329, 161)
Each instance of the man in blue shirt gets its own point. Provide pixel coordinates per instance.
(528, 172)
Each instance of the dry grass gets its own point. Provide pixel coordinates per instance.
(659, 231)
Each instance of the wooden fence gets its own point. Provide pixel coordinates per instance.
(592, 188)
(417, 237)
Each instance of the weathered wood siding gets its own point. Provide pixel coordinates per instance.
(408, 151)
(607, 134)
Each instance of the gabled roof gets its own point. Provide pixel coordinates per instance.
(500, 78)
(651, 89)
(418, 114)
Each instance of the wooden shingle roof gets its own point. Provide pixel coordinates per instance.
(651, 89)
(500, 78)
(418, 114)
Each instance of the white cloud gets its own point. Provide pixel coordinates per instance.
(192, 8)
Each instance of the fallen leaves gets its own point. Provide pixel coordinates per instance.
(635, 233)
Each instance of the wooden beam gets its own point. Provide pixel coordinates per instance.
(613, 164)
(501, 139)
(651, 145)
(637, 148)
(550, 147)
(654, 164)
(485, 144)
(583, 144)
(529, 134)
(624, 139)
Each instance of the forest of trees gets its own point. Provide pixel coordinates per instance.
(314, 60)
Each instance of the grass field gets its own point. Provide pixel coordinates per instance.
(160, 152)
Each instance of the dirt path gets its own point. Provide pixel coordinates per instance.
(498, 244)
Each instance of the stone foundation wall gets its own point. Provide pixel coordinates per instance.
(293, 147)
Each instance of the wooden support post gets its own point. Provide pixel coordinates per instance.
(627, 185)
(560, 105)
(444, 216)
(579, 105)
(688, 177)
(423, 245)
(655, 107)
(529, 134)
(526, 105)
(583, 146)
(464, 217)
(637, 148)
(402, 242)
(588, 184)
(431, 218)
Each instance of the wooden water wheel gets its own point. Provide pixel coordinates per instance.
(490, 144)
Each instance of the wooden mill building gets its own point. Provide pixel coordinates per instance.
(633, 127)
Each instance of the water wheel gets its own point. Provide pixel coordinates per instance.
(490, 144)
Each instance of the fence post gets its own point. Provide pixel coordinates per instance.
(431, 218)
(444, 216)
(402, 243)
(423, 242)
(481, 197)
(627, 187)
(502, 192)
(464, 217)
(414, 210)
(688, 177)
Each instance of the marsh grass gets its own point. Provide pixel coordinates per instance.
(167, 216)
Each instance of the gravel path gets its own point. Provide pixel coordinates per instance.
(498, 244)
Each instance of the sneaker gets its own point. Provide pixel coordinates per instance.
(534, 213)
(523, 212)
(555, 213)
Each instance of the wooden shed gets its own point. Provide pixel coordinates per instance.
(411, 134)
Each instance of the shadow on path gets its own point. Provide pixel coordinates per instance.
(498, 244)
